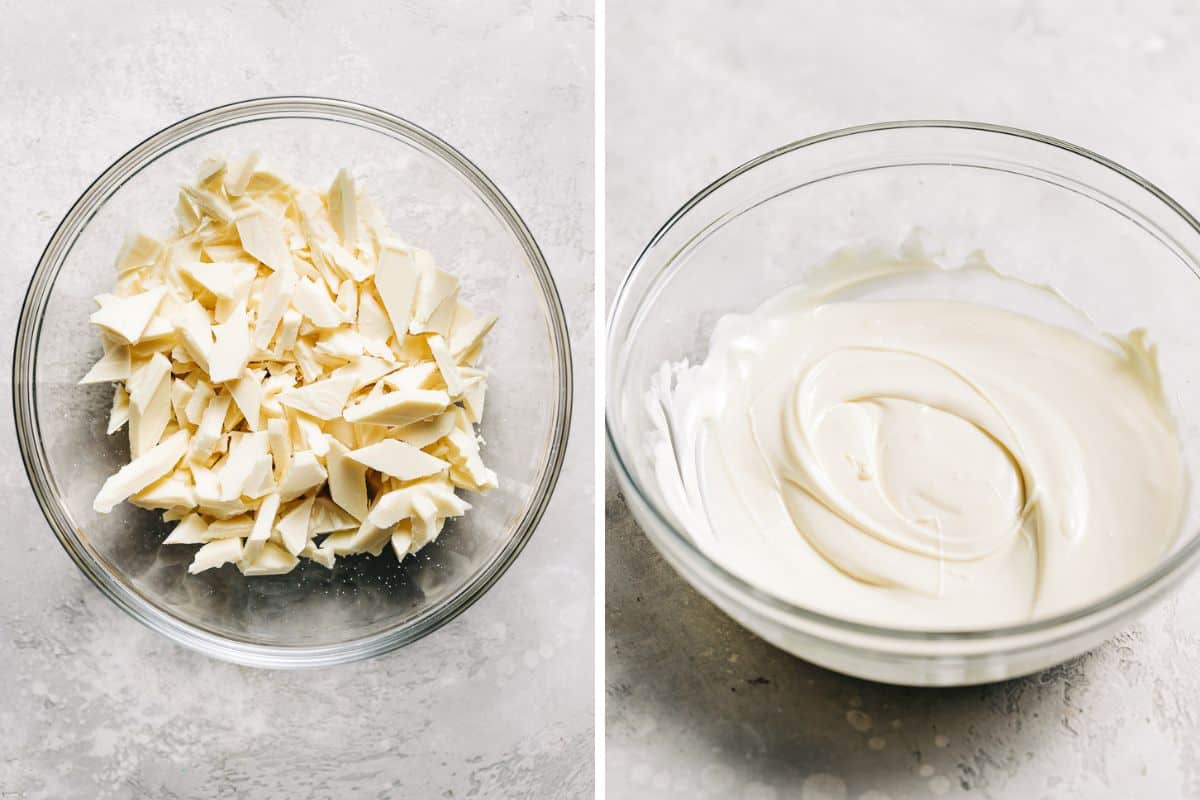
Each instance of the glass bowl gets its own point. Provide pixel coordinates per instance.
(1041, 209)
(433, 196)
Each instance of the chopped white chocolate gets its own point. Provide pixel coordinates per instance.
(396, 279)
(293, 526)
(303, 473)
(141, 472)
(192, 529)
(262, 237)
(119, 414)
(446, 365)
(216, 554)
(231, 348)
(343, 207)
(399, 460)
(398, 408)
(112, 366)
(264, 523)
(322, 399)
(127, 317)
(289, 369)
(347, 480)
(273, 560)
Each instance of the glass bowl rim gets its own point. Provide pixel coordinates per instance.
(1175, 565)
(24, 385)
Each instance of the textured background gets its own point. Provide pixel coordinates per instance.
(497, 703)
(696, 706)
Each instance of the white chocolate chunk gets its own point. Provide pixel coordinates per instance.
(192, 529)
(194, 328)
(112, 366)
(313, 301)
(262, 237)
(398, 408)
(401, 541)
(464, 453)
(365, 371)
(347, 480)
(119, 414)
(418, 376)
(398, 459)
(127, 317)
(209, 204)
(243, 458)
(322, 399)
(322, 555)
(237, 178)
(264, 523)
(172, 491)
(343, 207)
(138, 251)
(293, 526)
(216, 554)
(473, 399)
(470, 336)
(247, 392)
(304, 472)
(238, 527)
(276, 296)
(273, 560)
(219, 280)
(145, 379)
(281, 445)
(446, 365)
(147, 427)
(288, 331)
(141, 472)
(436, 290)
(396, 280)
(311, 436)
(329, 517)
(231, 348)
(201, 395)
(209, 430)
(426, 432)
(366, 539)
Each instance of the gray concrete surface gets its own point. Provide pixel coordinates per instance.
(496, 704)
(697, 707)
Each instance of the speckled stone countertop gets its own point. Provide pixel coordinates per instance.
(496, 704)
(696, 706)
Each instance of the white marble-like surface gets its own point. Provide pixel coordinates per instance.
(496, 704)
(696, 706)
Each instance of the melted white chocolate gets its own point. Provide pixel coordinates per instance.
(921, 464)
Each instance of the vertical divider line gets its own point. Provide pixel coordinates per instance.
(600, 338)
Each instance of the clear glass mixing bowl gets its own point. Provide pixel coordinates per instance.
(1041, 209)
(432, 196)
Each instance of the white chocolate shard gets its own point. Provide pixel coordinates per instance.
(264, 523)
(293, 526)
(347, 480)
(396, 280)
(119, 414)
(141, 472)
(231, 348)
(262, 237)
(304, 472)
(127, 317)
(398, 408)
(216, 554)
(192, 529)
(343, 207)
(112, 366)
(398, 459)
(273, 560)
(323, 399)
